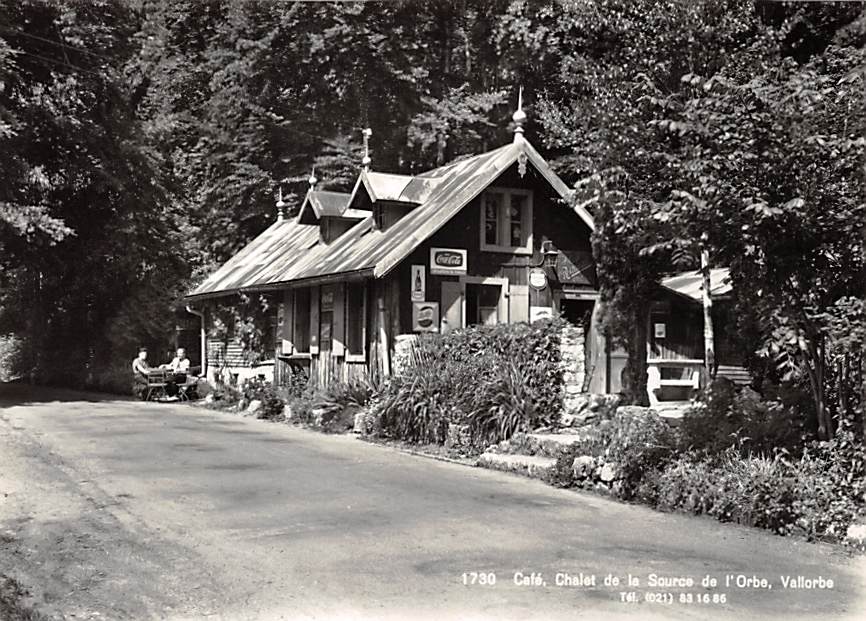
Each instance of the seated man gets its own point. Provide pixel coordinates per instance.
(179, 367)
(139, 373)
(180, 363)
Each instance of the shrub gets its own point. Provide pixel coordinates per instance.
(634, 442)
(496, 379)
(294, 383)
(727, 417)
(272, 403)
(11, 358)
(533, 348)
(302, 408)
(339, 402)
(415, 406)
(225, 395)
(503, 406)
(818, 494)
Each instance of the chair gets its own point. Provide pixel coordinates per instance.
(187, 390)
(156, 382)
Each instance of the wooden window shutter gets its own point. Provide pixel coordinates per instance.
(518, 303)
(286, 319)
(338, 332)
(314, 320)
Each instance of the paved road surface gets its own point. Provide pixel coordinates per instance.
(112, 509)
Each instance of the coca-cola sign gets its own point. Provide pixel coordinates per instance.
(447, 261)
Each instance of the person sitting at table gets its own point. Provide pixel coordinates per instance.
(179, 367)
(139, 373)
(180, 363)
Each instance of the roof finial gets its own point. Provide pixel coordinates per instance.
(366, 161)
(519, 117)
(280, 205)
(313, 181)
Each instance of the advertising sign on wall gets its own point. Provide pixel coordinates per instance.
(540, 312)
(425, 316)
(418, 284)
(537, 278)
(447, 261)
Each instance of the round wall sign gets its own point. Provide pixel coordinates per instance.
(537, 278)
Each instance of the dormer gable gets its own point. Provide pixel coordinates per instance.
(390, 196)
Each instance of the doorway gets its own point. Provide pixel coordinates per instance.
(482, 304)
(577, 312)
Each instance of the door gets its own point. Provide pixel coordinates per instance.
(452, 306)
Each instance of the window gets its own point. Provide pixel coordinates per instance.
(302, 321)
(355, 319)
(506, 221)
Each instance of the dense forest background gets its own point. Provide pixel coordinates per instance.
(143, 142)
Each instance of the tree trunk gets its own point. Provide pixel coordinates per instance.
(635, 376)
(814, 363)
(709, 345)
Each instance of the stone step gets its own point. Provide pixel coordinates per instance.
(542, 444)
(532, 466)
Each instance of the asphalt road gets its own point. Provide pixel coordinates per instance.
(114, 509)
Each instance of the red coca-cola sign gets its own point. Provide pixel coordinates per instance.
(447, 261)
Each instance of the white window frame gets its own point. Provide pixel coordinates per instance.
(350, 356)
(502, 221)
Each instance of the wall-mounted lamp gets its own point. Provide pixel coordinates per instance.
(550, 255)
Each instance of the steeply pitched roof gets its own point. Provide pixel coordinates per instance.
(690, 284)
(320, 203)
(288, 252)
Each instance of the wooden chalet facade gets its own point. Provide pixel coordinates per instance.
(493, 238)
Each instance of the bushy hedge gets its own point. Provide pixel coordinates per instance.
(817, 494)
(495, 379)
(817, 491)
(728, 417)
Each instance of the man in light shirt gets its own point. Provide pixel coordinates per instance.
(179, 367)
(180, 363)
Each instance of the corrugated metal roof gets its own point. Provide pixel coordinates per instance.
(402, 188)
(290, 251)
(690, 284)
(327, 203)
(319, 203)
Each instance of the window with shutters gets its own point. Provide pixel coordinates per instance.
(301, 332)
(355, 319)
(506, 221)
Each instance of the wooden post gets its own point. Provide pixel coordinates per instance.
(383, 338)
(709, 353)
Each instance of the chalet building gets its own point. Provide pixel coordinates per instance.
(493, 238)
